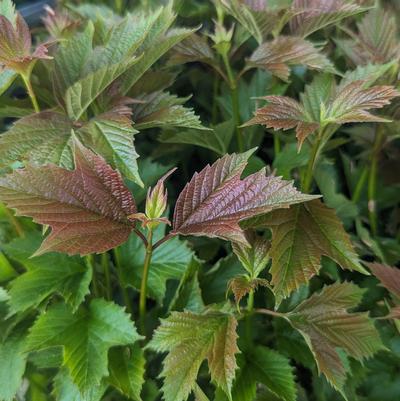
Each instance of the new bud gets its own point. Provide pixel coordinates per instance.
(156, 201)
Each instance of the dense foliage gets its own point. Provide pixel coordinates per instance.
(268, 270)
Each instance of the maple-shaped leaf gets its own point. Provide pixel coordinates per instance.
(189, 339)
(216, 199)
(312, 15)
(85, 336)
(45, 275)
(300, 236)
(59, 23)
(390, 279)
(242, 285)
(324, 103)
(376, 40)
(87, 208)
(326, 325)
(276, 56)
(16, 42)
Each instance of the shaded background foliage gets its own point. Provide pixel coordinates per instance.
(175, 104)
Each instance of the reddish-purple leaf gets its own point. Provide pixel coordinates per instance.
(15, 45)
(87, 208)
(388, 276)
(276, 56)
(217, 199)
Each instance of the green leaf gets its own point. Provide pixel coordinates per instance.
(300, 236)
(189, 339)
(169, 261)
(66, 390)
(46, 275)
(161, 109)
(127, 367)
(326, 325)
(86, 337)
(82, 93)
(255, 258)
(12, 366)
(217, 139)
(274, 371)
(112, 136)
(7, 77)
(7, 9)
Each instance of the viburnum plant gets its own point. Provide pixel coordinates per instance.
(256, 278)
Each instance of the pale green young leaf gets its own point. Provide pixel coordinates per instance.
(255, 258)
(199, 394)
(169, 262)
(65, 390)
(326, 325)
(86, 337)
(300, 236)
(46, 275)
(189, 339)
(12, 366)
(161, 109)
(127, 367)
(7, 9)
(7, 77)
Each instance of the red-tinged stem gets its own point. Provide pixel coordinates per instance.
(308, 178)
(162, 240)
(31, 93)
(270, 312)
(141, 236)
(143, 286)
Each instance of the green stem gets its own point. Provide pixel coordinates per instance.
(143, 286)
(306, 186)
(214, 111)
(125, 295)
(235, 101)
(277, 144)
(360, 184)
(89, 260)
(15, 223)
(250, 308)
(270, 313)
(372, 179)
(105, 263)
(31, 93)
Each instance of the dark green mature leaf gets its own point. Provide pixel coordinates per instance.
(216, 199)
(300, 236)
(86, 337)
(189, 339)
(127, 367)
(87, 208)
(326, 325)
(12, 366)
(169, 261)
(46, 275)
(284, 51)
(274, 371)
(217, 139)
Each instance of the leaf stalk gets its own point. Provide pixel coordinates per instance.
(27, 81)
